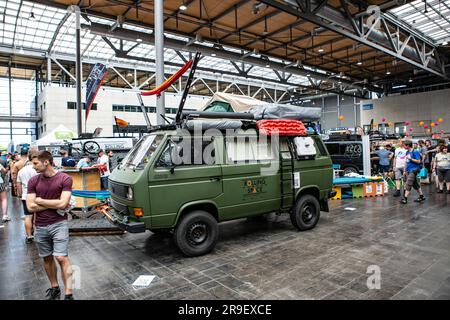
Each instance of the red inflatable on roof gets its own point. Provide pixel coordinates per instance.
(282, 127)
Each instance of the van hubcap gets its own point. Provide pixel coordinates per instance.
(308, 212)
(197, 233)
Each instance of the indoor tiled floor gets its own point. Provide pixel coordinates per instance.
(265, 259)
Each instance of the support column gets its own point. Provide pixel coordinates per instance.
(49, 70)
(10, 102)
(76, 10)
(159, 51)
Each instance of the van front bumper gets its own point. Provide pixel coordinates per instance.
(121, 221)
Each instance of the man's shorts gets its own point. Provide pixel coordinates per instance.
(383, 169)
(53, 239)
(443, 175)
(399, 173)
(411, 180)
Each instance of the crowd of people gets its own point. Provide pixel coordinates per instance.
(45, 193)
(408, 161)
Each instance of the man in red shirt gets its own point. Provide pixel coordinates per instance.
(48, 194)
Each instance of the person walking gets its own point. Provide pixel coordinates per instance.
(399, 167)
(48, 192)
(442, 167)
(18, 165)
(413, 165)
(24, 175)
(3, 194)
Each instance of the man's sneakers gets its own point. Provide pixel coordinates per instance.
(440, 191)
(53, 294)
(6, 219)
(69, 297)
(420, 199)
(29, 240)
(404, 201)
(397, 193)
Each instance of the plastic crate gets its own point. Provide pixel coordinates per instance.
(357, 191)
(338, 195)
(369, 189)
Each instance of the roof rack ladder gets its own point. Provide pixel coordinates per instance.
(287, 195)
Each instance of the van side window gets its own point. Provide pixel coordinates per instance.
(249, 150)
(321, 148)
(181, 152)
(333, 148)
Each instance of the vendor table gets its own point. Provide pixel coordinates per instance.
(84, 179)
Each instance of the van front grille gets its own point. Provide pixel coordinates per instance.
(116, 189)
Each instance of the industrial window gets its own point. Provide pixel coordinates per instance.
(73, 106)
(400, 128)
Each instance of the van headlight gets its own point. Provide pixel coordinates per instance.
(130, 193)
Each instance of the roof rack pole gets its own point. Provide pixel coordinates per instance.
(177, 119)
(144, 112)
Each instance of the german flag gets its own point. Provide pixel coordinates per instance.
(121, 123)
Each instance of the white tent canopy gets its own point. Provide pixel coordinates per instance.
(57, 135)
(239, 103)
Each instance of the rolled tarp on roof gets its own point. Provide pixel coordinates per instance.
(285, 111)
(239, 103)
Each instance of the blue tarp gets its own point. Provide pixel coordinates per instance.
(100, 194)
(350, 180)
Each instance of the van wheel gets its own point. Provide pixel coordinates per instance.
(350, 170)
(196, 233)
(306, 213)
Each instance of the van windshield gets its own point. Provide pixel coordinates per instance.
(142, 152)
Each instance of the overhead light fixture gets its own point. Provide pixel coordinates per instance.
(139, 40)
(320, 49)
(359, 63)
(183, 7)
(388, 72)
(308, 75)
(410, 80)
(213, 54)
(445, 43)
(267, 65)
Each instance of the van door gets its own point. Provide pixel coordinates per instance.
(173, 184)
(250, 186)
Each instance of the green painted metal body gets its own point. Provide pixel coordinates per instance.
(228, 191)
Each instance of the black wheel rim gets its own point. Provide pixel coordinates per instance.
(308, 212)
(197, 233)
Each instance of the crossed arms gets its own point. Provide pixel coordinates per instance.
(37, 204)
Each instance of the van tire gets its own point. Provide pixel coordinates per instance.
(350, 169)
(306, 212)
(196, 233)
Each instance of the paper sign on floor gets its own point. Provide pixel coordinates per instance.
(143, 281)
